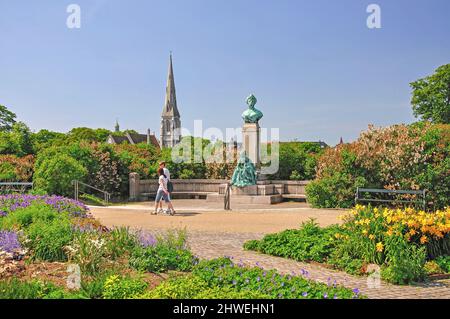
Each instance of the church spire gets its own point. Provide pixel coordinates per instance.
(170, 117)
(170, 105)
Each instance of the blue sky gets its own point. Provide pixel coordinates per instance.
(317, 70)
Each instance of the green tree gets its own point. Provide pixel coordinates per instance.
(7, 119)
(45, 139)
(79, 134)
(55, 174)
(431, 96)
(17, 141)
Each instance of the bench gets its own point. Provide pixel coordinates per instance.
(360, 191)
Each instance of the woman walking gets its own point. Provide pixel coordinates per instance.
(163, 193)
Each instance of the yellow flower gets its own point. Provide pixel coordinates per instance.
(412, 232)
(380, 247)
(364, 231)
(423, 239)
(371, 237)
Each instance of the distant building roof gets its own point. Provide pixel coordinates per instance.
(134, 139)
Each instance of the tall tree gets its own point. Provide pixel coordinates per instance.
(431, 96)
(7, 119)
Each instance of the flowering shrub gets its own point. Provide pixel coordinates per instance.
(224, 273)
(117, 287)
(13, 168)
(87, 250)
(401, 241)
(162, 253)
(397, 157)
(9, 241)
(417, 227)
(309, 243)
(221, 278)
(10, 203)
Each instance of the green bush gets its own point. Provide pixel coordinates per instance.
(224, 274)
(444, 263)
(297, 160)
(334, 191)
(55, 175)
(88, 250)
(192, 287)
(92, 286)
(22, 218)
(412, 156)
(161, 258)
(404, 263)
(181, 287)
(7, 172)
(123, 287)
(16, 289)
(46, 240)
(432, 268)
(121, 241)
(46, 230)
(309, 243)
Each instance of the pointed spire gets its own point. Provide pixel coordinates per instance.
(170, 104)
(117, 127)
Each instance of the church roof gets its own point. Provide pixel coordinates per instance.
(134, 139)
(117, 139)
(170, 104)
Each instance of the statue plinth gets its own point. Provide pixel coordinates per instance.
(249, 186)
(251, 142)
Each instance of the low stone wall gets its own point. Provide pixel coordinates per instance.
(186, 188)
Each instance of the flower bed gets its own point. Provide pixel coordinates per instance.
(54, 233)
(407, 244)
(10, 203)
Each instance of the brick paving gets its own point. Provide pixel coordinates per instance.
(217, 234)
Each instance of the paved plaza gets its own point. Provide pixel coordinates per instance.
(213, 232)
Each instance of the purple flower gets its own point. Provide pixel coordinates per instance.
(305, 294)
(234, 282)
(146, 239)
(258, 279)
(356, 291)
(325, 295)
(9, 241)
(14, 201)
(335, 297)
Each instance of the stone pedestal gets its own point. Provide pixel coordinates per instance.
(134, 180)
(251, 140)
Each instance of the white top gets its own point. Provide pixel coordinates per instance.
(162, 183)
(167, 173)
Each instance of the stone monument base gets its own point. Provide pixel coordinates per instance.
(262, 193)
(243, 199)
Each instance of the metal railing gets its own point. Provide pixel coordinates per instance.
(421, 193)
(77, 184)
(14, 187)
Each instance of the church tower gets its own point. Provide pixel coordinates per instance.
(170, 117)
